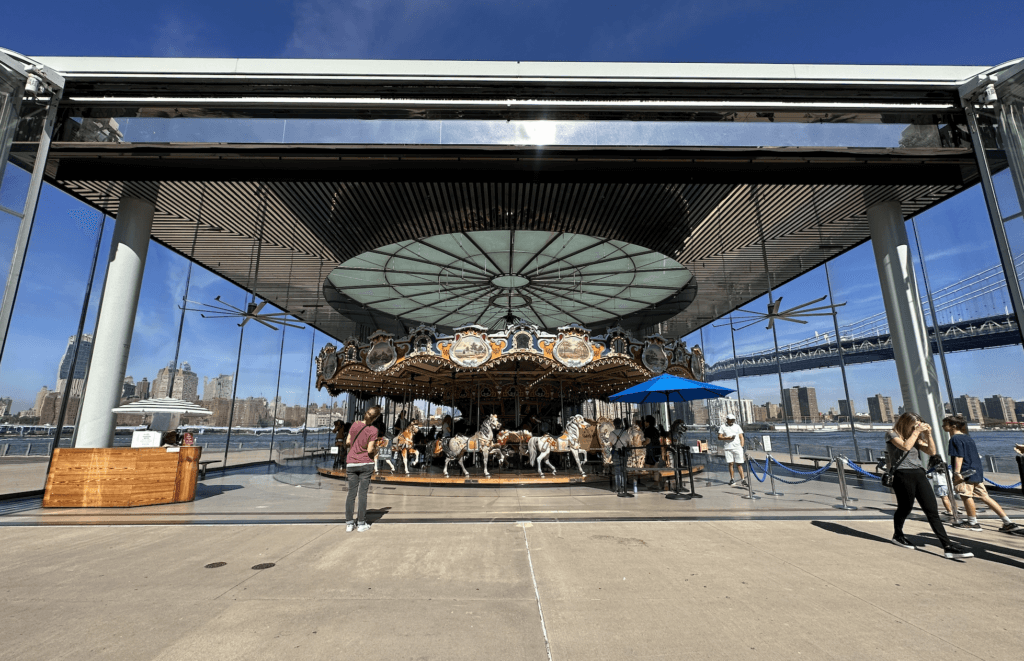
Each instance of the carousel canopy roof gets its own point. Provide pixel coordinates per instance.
(550, 278)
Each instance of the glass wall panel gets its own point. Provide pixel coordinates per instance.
(981, 345)
(540, 132)
(37, 370)
(871, 372)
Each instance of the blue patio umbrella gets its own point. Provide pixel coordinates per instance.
(669, 388)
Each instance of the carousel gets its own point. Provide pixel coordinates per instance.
(518, 378)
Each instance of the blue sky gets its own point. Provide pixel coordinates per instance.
(955, 236)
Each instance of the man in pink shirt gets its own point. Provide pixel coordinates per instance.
(362, 441)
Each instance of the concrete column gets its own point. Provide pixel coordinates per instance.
(116, 320)
(915, 365)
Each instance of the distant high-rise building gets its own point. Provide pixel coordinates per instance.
(186, 383)
(880, 409)
(846, 409)
(801, 404)
(773, 411)
(723, 406)
(760, 413)
(142, 389)
(971, 408)
(64, 371)
(218, 388)
(1001, 408)
(5, 405)
(40, 398)
(128, 388)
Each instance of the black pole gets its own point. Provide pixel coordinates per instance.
(234, 395)
(78, 342)
(689, 467)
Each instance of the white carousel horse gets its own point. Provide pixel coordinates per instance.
(487, 443)
(454, 448)
(541, 447)
(403, 445)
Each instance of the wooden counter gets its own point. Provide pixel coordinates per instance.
(121, 477)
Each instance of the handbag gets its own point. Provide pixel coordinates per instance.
(889, 476)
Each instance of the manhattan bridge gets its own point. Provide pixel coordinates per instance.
(972, 313)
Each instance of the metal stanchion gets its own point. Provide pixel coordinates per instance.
(771, 476)
(675, 448)
(844, 496)
(750, 483)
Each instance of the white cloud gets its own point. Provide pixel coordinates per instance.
(361, 28)
(178, 35)
(669, 24)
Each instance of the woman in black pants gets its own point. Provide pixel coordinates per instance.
(910, 483)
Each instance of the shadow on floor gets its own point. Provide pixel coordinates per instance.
(982, 550)
(208, 490)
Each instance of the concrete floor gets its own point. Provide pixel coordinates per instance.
(565, 590)
(500, 573)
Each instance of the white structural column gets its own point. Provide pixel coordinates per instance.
(915, 365)
(114, 327)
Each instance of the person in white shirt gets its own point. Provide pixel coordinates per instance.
(732, 434)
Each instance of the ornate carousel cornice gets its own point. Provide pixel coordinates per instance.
(390, 365)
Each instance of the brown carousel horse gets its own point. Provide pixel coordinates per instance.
(605, 427)
(541, 447)
(339, 441)
(403, 445)
(516, 443)
(454, 448)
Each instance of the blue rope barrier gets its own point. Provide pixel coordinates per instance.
(862, 471)
(1002, 486)
(814, 472)
(785, 481)
(764, 471)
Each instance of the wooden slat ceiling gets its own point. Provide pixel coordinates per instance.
(310, 225)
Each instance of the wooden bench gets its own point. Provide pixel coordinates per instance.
(312, 452)
(817, 460)
(203, 464)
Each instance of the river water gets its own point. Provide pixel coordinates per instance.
(995, 443)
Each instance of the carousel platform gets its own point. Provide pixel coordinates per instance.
(435, 477)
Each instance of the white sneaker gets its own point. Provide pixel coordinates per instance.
(350, 526)
(363, 527)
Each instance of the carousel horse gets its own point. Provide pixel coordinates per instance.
(605, 427)
(339, 442)
(541, 447)
(635, 458)
(516, 443)
(384, 452)
(403, 445)
(454, 448)
(488, 442)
